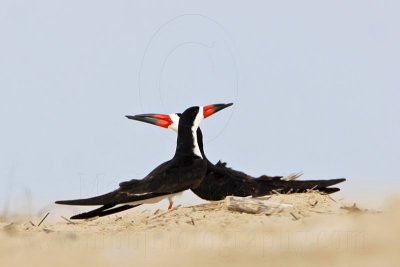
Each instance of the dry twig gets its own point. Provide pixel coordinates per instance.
(68, 221)
(44, 218)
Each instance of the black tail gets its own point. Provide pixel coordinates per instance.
(102, 211)
(265, 187)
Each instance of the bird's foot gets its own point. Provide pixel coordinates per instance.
(171, 204)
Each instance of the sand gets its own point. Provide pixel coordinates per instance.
(317, 230)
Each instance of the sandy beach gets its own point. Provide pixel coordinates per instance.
(314, 230)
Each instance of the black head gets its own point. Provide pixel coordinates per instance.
(191, 117)
(186, 124)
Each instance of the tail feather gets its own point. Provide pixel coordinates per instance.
(292, 176)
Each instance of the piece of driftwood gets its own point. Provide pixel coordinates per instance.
(252, 205)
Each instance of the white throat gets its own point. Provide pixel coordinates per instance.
(175, 122)
(196, 123)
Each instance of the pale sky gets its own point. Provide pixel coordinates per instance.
(315, 84)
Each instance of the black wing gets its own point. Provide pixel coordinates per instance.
(221, 181)
(168, 178)
(102, 211)
(110, 199)
(266, 187)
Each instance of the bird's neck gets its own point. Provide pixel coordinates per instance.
(187, 142)
(200, 143)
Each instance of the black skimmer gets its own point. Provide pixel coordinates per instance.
(184, 171)
(221, 181)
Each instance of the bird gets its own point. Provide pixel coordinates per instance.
(221, 181)
(184, 171)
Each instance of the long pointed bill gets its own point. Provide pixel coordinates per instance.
(161, 120)
(212, 109)
(165, 120)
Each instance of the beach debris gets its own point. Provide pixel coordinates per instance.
(47, 231)
(68, 221)
(191, 221)
(10, 228)
(294, 216)
(252, 205)
(156, 212)
(352, 209)
(44, 218)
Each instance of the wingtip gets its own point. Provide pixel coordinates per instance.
(61, 202)
(78, 217)
(330, 190)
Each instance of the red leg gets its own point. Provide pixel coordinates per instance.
(171, 203)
